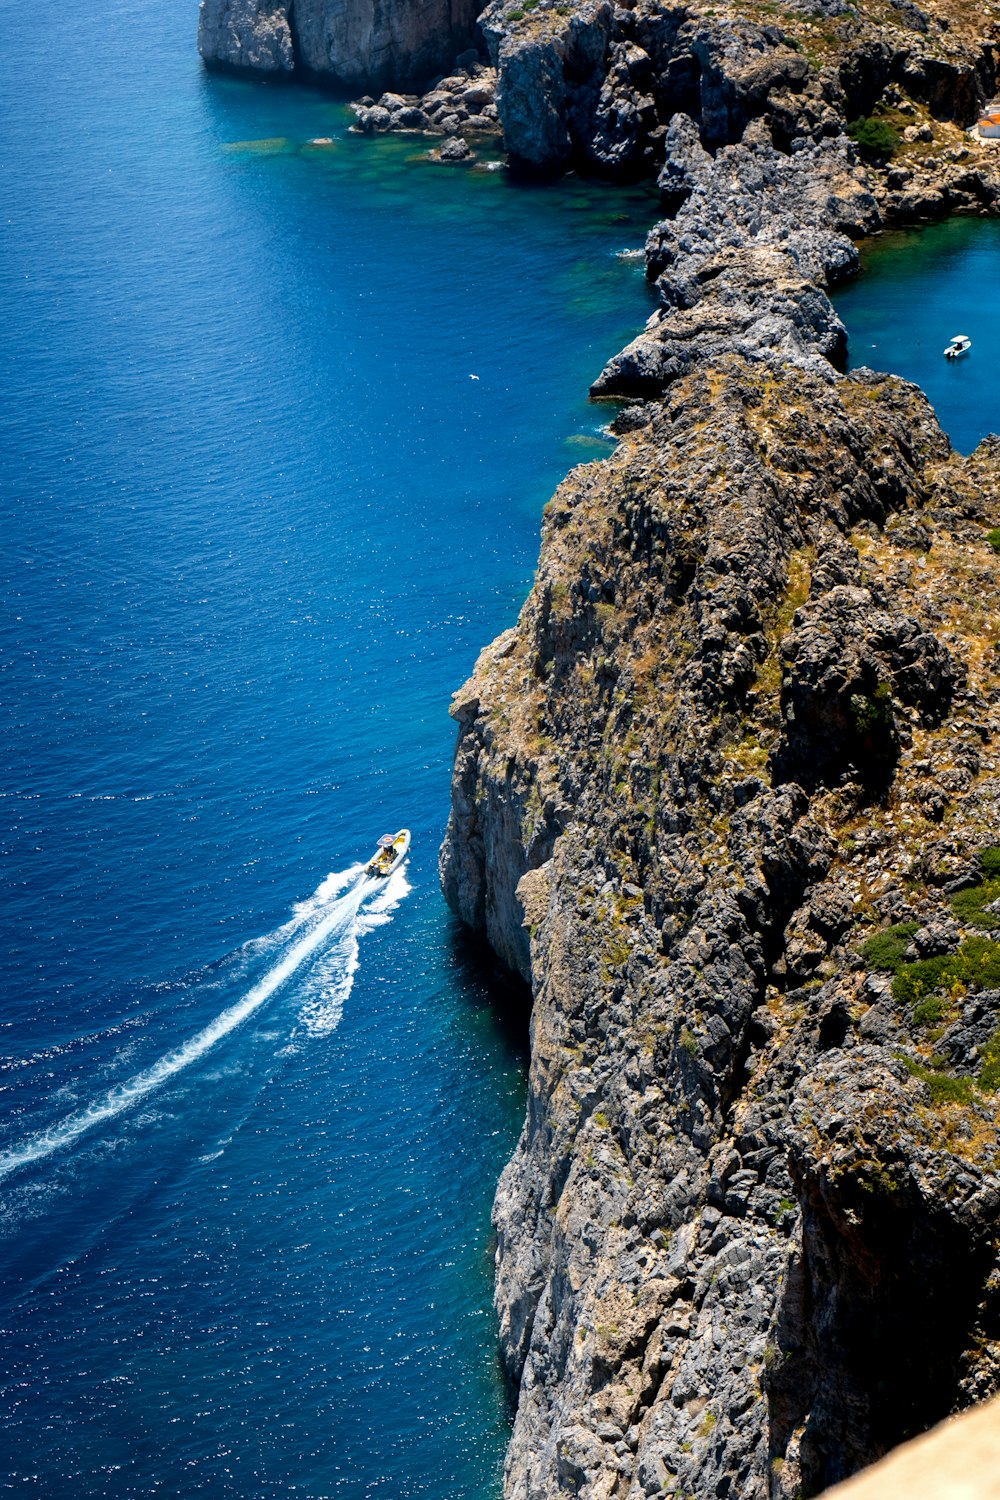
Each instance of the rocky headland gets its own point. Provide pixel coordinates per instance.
(728, 794)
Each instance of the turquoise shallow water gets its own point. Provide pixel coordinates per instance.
(918, 288)
(258, 520)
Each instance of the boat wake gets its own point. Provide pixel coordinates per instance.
(331, 978)
(323, 934)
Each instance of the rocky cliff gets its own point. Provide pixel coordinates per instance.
(728, 795)
(598, 83)
(744, 723)
(352, 43)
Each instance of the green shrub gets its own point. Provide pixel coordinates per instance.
(945, 1087)
(981, 963)
(976, 966)
(970, 906)
(989, 1072)
(886, 950)
(914, 981)
(993, 537)
(875, 139)
(930, 1012)
(689, 1042)
(873, 711)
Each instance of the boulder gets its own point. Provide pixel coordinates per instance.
(454, 149)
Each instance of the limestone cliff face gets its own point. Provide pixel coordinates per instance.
(729, 797)
(247, 35)
(354, 43)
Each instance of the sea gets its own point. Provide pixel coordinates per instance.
(918, 288)
(278, 424)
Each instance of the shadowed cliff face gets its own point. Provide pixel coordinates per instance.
(354, 43)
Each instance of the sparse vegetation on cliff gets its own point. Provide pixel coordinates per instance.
(876, 139)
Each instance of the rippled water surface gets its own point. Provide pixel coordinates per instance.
(919, 287)
(258, 519)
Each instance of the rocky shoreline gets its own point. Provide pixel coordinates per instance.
(728, 794)
(728, 798)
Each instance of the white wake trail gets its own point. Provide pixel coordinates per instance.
(341, 914)
(332, 979)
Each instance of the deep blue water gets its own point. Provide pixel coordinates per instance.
(258, 520)
(918, 288)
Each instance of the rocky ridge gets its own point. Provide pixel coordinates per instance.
(748, 716)
(728, 797)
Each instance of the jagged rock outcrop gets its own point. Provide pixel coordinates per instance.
(741, 1248)
(351, 43)
(848, 660)
(598, 83)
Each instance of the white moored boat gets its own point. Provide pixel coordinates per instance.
(960, 344)
(392, 850)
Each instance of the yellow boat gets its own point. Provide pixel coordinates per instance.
(392, 850)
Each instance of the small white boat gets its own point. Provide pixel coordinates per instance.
(960, 344)
(392, 850)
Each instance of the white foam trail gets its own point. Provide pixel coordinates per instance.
(331, 981)
(124, 1095)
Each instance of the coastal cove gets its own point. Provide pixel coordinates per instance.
(917, 288)
(280, 424)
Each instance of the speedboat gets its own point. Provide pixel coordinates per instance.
(392, 850)
(960, 344)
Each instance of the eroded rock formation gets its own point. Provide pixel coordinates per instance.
(598, 83)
